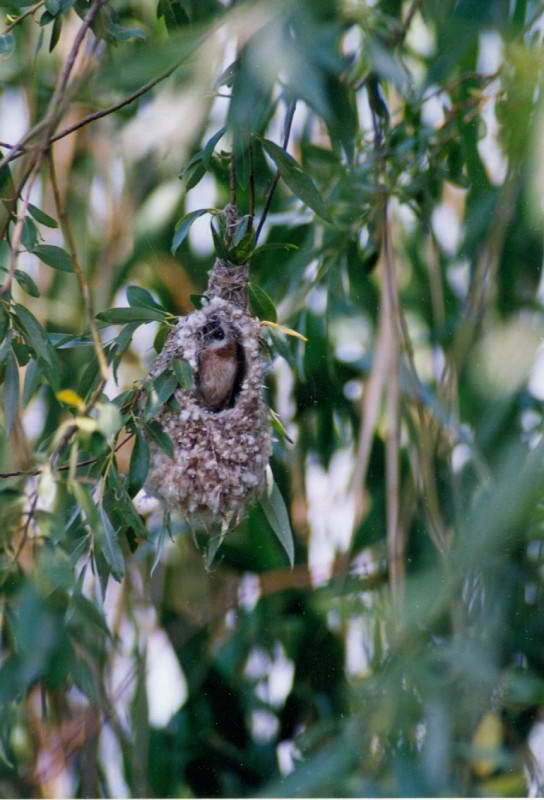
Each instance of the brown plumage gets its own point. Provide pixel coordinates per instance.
(220, 367)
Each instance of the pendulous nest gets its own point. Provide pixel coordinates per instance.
(220, 456)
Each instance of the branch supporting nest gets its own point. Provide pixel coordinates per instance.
(229, 282)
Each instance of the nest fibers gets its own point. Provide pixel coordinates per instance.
(220, 458)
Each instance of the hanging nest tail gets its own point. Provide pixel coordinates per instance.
(221, 434)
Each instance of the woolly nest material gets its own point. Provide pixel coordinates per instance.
(220, 457)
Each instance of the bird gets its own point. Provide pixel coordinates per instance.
(221, 366)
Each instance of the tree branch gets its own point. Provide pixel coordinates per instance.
(54, 110)
(23, 16)
(268, 198)
(103, 113)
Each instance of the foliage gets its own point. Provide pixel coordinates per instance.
(384, 159)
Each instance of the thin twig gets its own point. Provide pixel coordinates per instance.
(116, 106)
(54, 110)
(104, 112)
(395, 539)
(65, 467)
(23, 16)
(268, 198)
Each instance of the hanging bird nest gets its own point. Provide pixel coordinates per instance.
(221, 444)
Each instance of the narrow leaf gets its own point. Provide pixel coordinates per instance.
(4, 322)
(261, 303)
(111, 549)
(71, 398)
(11, 390)
(183, 372)
(54, 256)
(41, 216)
(165, 385)
(29, 236)
(55, 33)
(139, 465)
(118, 316)
(209, 147)
(160, 438)
(37, 339)
(296, 179)
(274, 508)
(284, 329)
(33, 376)
(25, 281)
(139, 297)
(183, 226)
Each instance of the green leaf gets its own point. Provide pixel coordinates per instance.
(11, 390)
(164, 385)
(4, 322)
(161, 337)
(29, 236)
(139, 297)
(5, 347)
(41, 216)
(273, 246)
(111, 549)
(25, 281)
(54, 257)
(183, 226)
(37, 338)
(183, 372)
(139, 465)
(261, 303)
(192, 175)
(33, 376)
(22, 353)
(274, 508)
(84, 679)
(209, 147)
(83, 607)
(296, 179)
(243, 242)
(218, 237)
(55, 34)
(118, 316)
(160, 438)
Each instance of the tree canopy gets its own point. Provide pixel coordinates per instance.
(373, 625)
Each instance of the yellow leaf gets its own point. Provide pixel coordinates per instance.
(487, 740)
(284, 329)
(71, 398)
(85, 424)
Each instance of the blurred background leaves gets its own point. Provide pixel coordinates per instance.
(389, 156)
